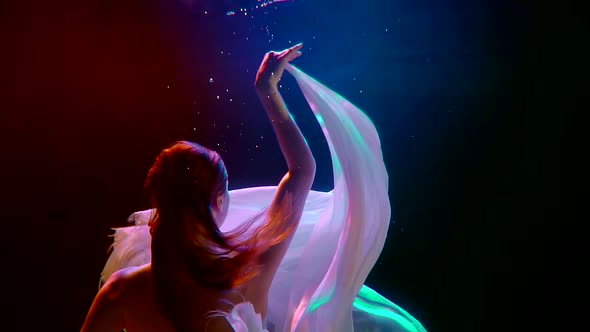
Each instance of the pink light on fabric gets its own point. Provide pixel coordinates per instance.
(339, 238)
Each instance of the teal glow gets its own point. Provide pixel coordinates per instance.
(368, 293)
(336, 99)
(384, 309)
(374, 304)
(357, 135)
(319, 302)
(320, 119)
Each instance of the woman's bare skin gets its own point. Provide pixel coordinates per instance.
(127, 299)
(131, 299)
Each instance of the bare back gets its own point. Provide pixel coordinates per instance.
(141, 312)
(131, 299)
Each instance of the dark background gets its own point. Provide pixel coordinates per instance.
(92, 90)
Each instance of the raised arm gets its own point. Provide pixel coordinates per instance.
(293, 189)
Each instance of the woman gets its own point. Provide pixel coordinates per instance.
(299, 266)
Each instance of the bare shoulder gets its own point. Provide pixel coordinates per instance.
(107, 310)
(132, 272)
(123, 276)
(120, 287)
(123, 282)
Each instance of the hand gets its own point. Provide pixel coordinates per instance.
(273, 65)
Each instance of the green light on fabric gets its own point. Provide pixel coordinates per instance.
(383, 309)
(371, 295)
(320, 119)
(319, 303)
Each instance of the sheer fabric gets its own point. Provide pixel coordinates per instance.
(319, 283)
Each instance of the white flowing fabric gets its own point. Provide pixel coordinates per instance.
(319, 284)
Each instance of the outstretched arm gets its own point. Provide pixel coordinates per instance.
(293, 189)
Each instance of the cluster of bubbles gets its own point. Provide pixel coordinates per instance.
(259, 4)
(258, 27)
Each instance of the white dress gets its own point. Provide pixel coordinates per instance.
(319, 283)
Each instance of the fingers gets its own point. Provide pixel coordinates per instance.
(296, 47)
(274, 62)
(290, 53)
(292, 56)
(289, 50)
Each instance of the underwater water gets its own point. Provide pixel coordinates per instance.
(97, 88)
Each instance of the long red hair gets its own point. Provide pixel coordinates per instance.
(182, 184)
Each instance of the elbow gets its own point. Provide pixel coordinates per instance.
(305, 169)
(310, 165)
(313, 166)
